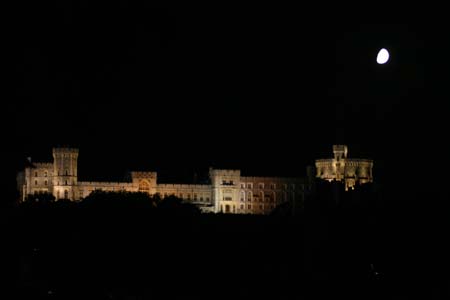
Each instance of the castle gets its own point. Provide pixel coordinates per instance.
(351, 171)
(227, 190)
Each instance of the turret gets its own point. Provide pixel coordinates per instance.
(65, 173)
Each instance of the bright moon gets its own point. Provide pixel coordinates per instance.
(383, 56)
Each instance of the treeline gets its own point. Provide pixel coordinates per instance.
(121, 200)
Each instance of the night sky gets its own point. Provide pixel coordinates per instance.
(263, 89)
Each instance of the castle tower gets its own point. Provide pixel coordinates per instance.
(340, 152)
(225, 189)
(65, 173)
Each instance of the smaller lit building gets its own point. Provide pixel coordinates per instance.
(352, 171)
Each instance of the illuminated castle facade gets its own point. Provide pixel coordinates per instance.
(227, 191)
(351, 171)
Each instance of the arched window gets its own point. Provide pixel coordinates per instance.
(45, 174)
(67, 173)
(66, 194)
(249, 196)
(144, 186)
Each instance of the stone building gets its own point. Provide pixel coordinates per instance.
(227, 190)
(352, 171)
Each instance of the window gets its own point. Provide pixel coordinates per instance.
(144, 187)
(261, 185)
(201, 199)
(181, 195)
(35, 174)
(227, 198)
(35, 182)
(195, 197)
(66, 194)
(249, 185)
(81, 193)
(249, 196)
(285, 186)
(242, 196)
(242, 185)
(189, 196)
(272, 186)
(46, 182)
(45, 174)
(249, 206)
(242, 206)
(207, 199)
(261, 206)
(66, 182)
(67, 173)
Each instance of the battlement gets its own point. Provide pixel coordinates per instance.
(42, 165)
(225, 172)
(140, 174)
(65, 150)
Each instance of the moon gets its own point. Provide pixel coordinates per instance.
(382, 57)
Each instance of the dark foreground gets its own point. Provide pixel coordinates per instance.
(323, 252)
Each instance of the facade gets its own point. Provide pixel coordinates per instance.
(227, 191)
(352, 171)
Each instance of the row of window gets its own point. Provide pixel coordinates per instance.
(46, 173)
(46, 182)
(231, 209)
(271, 186)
